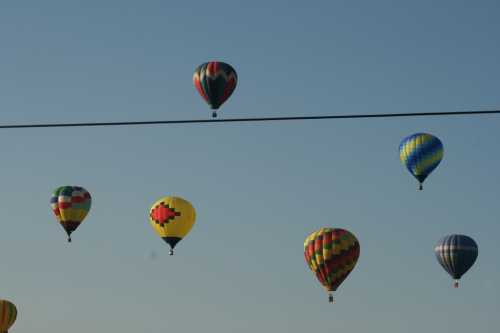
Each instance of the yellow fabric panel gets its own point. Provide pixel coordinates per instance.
(73, 214)
(327, 253)
(311, 237)
(180, 225)
(80, 214)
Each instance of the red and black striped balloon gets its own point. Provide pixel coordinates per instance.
(215, 81)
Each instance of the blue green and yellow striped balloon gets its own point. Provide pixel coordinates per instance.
(421, 153)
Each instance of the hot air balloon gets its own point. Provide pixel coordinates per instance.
(456, 253)
(215, 81)
(172, 218)
(421, 153)
(331, 254)
(71, 205)
(8, 315)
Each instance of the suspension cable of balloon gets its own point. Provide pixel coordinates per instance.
(264, 119)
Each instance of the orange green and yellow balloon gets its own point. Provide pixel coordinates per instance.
(331, 254)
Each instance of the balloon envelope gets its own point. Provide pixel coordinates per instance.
(70, 205)
(456, 254)
(421, 153)
(172, 218)
(8, 315)
(331, 253)
(215, 82)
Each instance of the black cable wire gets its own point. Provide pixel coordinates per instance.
(240, 120)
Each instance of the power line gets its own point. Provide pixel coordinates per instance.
(241, 120)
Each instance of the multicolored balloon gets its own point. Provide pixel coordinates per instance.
(421, 153)
(215, 81)
(8, 315)
(456, 254)
(331, 253)
(71, 205)
(172, 218)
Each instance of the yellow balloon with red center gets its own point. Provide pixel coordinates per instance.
(172, 218)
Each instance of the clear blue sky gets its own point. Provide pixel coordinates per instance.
(259, 189)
